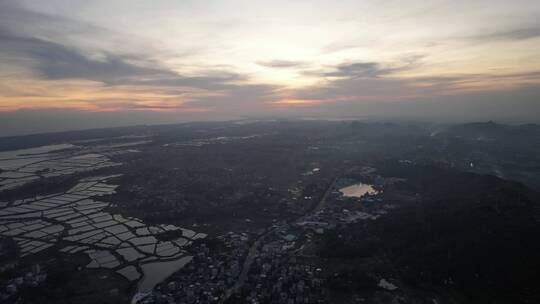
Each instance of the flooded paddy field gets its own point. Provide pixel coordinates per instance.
(76, 221)
(19, 167)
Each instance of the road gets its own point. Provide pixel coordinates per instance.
(252, 254)
(254, 249)
(322, 201)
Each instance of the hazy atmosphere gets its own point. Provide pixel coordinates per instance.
(82, 64)
(269, 152)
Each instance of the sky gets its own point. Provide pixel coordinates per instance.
(71, 64)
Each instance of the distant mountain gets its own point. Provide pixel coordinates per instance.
(492, 131)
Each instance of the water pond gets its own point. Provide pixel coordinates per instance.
(358, 190)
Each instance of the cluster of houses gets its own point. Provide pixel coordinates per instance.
(33, 278)
(278, 277)
(208, 276)
(280, 272)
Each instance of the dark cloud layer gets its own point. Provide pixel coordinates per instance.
(54, 61)
(510, 35)
(358, 70)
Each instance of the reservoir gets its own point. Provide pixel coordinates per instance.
(155, 273)
(358, 190)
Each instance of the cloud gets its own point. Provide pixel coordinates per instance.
(17, 20)
(510, 35)
(54, 61)
(35, 41)
(166, 89)
(358, 70)
(41, 42)
(49, 60)
(281, 64)
(216, 90)
(373, 81)
(370, 69)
